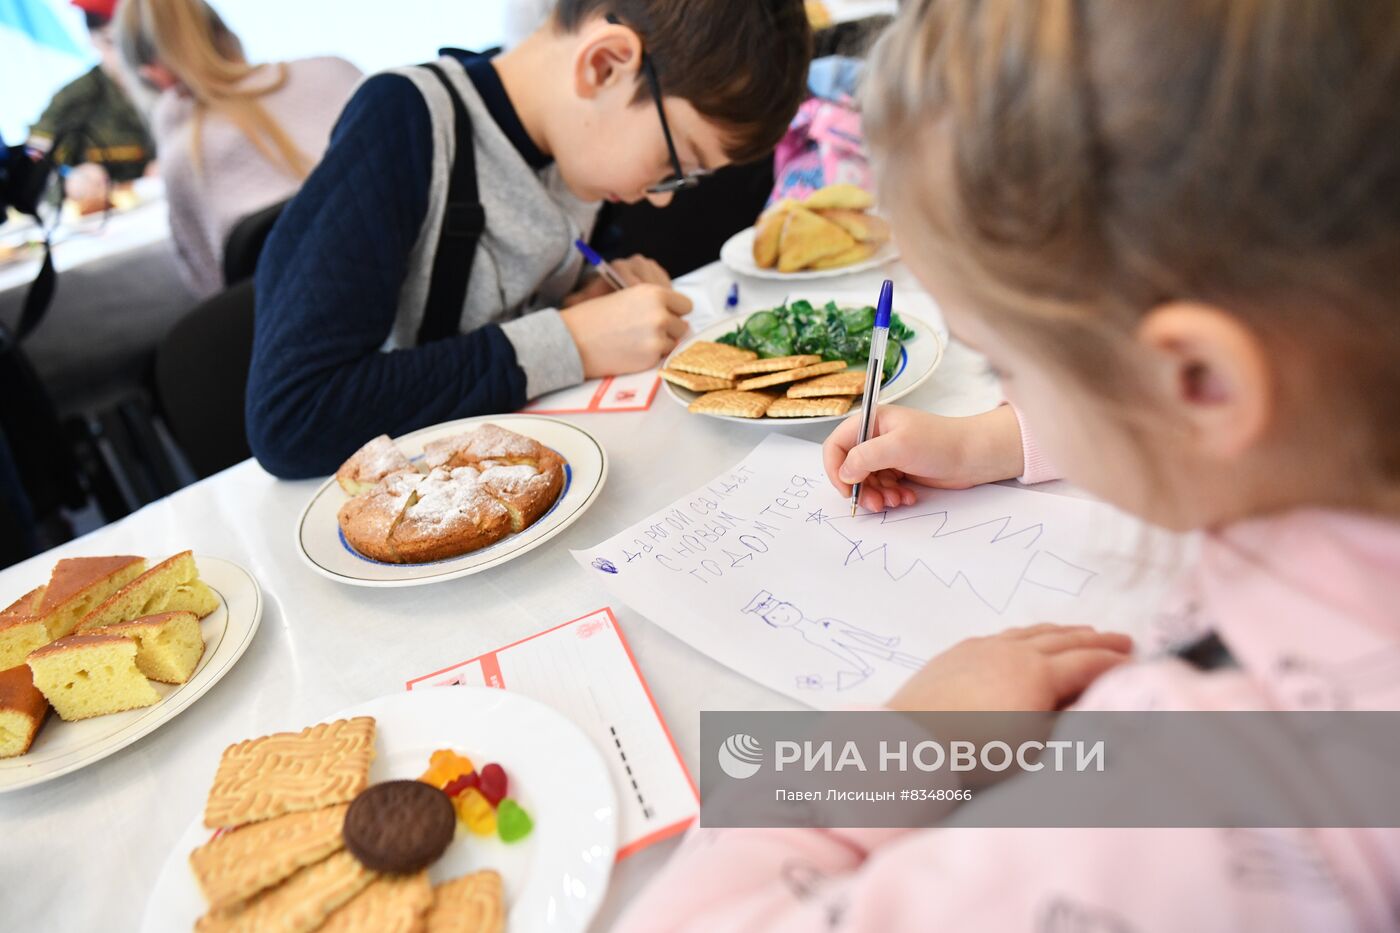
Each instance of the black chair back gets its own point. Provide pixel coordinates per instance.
(245, 243)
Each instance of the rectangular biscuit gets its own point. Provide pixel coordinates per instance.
(851, 383)
(392, 904)
(237, 865)
(775, 364)
(710, 359)
(791, 375)
(469, 904)
(695, 382)
(298, 905)
(291, 771)
(732, 403)
(810, 407)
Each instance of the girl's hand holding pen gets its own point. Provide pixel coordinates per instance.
(634, 270)
(912, 447)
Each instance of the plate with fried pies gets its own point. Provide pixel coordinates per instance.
(451, 500)
(830, 233)
(759, 379)
(351, 824)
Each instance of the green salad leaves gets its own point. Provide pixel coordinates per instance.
(831, 332)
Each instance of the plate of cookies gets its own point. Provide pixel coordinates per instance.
(458, 808)
(828, 234)
(108, 650)
(799, 363)
(450, 500)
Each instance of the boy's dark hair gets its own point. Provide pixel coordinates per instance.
(740, 63)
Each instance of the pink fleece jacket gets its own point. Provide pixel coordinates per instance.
(1309, 605)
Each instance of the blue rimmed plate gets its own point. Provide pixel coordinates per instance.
(324, 548)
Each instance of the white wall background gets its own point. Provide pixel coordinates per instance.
(371, 33)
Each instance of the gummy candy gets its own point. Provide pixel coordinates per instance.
(460, 783)
(493, 783)
(474, 810)
(512, 822)
(444, 765)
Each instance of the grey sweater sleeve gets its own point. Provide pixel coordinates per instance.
(545, 350)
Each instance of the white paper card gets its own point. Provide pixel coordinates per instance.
(765, 570)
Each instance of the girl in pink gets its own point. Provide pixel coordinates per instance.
(1174, 228)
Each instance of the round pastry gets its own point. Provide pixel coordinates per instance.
(367, 520)
(399, 826)
(370, 464)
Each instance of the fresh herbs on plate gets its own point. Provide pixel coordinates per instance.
(831, 332)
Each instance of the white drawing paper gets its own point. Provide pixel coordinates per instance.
(765, 570)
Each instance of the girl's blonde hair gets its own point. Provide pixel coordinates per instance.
(1076, 163)
(189, 38)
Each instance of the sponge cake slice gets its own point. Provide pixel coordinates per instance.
(20, 631)
(80, 583)
(170, 586)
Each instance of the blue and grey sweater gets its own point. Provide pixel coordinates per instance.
(342, 281)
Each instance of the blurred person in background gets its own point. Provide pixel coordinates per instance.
(99, 133)
(234, 137)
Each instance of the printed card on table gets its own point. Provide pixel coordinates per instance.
(766, 570)
(584, 670)
(634, 392)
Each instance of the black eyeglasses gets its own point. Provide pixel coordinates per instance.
(679, 180)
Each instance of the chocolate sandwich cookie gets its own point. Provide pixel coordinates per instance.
(399, 826)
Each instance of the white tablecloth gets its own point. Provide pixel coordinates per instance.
(82, 852)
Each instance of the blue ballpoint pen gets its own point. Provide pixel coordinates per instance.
(874, 373)
(601, 264)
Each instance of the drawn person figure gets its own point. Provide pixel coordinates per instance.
(852, 644)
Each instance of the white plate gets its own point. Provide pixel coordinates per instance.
(554, 879)
(323, 547)
(920, 357)
(62, 747)
(737, 254)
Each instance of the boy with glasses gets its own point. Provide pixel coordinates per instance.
(622, 101)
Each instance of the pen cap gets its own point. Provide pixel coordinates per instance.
(882, 310)
(589, 255)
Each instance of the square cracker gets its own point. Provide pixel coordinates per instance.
(392, 904)
(810, 407)
(710, 359)
(835, 384)
(291, 771)
(733, 403)
(298, 905)
(469, 904)
(776, 364)
(695, 382)
(791, 375)
(235, 866)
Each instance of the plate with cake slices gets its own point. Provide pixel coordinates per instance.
(451, 500)
(108, 650)
(462, 808)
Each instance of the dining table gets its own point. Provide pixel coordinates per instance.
(83, 851)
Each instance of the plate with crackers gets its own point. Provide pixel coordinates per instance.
(108, 650)
(457, 808)
(830, 233)
(450, 500)
(759, 379)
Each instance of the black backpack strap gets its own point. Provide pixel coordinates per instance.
(462, 224)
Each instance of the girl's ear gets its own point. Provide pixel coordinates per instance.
(608, 55)
(1215, 376)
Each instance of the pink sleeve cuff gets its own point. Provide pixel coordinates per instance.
(1037, 468)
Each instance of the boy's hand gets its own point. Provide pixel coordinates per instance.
(627, 331)
(1035, 669)
(634, 270)
(912, 446)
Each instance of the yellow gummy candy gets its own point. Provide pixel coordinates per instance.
(476, 812)
(445, 766)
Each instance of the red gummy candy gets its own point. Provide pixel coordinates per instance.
(461, 783)
(493, 784)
